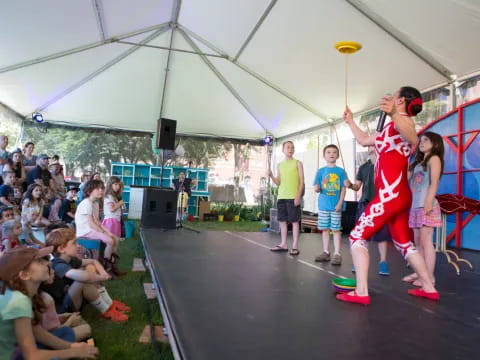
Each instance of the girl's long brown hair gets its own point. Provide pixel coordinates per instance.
(28, 194)
(38, 305)
(438, 149)
(109, 190)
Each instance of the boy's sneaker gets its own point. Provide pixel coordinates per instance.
(120, 306)
(337, 259)
(323, 257)
(383, 269)
(114, 315)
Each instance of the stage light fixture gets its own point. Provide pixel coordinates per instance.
(268, 140)
(37, 117)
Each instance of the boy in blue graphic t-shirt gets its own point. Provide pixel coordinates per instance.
(329, 182)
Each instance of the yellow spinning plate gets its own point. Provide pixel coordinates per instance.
(348, 47)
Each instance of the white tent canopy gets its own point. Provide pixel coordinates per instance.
(268, 65)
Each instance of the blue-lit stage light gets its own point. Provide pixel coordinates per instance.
(37, 117)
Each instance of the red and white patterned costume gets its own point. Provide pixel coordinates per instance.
(392, 203)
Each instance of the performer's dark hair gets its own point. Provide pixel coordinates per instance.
(437, 149)
(410, 93)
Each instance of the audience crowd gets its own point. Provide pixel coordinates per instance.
(45, 275)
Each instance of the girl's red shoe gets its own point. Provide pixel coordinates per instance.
(356, 299)
(435, 296)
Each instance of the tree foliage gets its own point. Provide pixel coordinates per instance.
(90, 149)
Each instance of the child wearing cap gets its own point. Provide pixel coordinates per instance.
(22, 270)
(73, 284)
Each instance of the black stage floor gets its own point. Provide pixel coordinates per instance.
(228, 297)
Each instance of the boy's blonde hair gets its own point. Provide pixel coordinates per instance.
(286, 142)
(60, 237)
(8, 226)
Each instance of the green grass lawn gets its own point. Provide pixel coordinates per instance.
(248, 226)
(120, 340)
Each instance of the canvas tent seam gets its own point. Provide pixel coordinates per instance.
(410, 45)
(99, 71)
(82, 48)
(223, 80)
(255, 29)
(257, 76)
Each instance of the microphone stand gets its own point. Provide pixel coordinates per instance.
(180, 209)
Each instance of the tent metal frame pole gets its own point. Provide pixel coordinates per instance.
(98, 10)
(99, 71)
(83, 48)
(202, 40)
(174, 21)
(282, 92)
(167, 69)
(170, 49)
(255, 29)
(176, 11)
(223, 80)
(383, 24)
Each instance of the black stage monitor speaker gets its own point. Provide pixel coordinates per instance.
(166, 130)
(159, 208)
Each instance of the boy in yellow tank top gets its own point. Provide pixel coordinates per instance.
(290, 182)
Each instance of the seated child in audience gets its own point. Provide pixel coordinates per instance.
(52, 205)
(11, 230)
(69, 206)
(6, 190)
(85, 178)
(6, 213)
(81, 284)
(88, 225)
(53, 322)
(17, 196)
(22, 270)
(113, 205)
(32, 213)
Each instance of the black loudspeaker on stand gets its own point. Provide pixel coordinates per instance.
(159, 208)
(166, 131)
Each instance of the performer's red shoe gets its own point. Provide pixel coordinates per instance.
(356, 299)
(435, 296)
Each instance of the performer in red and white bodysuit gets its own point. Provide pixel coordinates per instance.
(393, 200)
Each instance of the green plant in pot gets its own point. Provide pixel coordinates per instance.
(229, 211)
(220, 209)
(237, 210)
